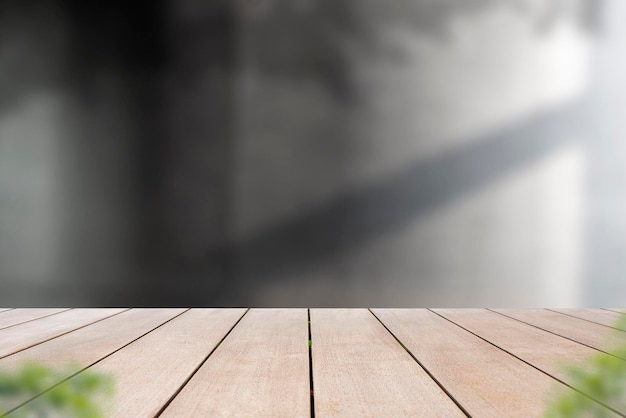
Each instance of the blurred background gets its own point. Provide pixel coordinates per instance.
(440, 153)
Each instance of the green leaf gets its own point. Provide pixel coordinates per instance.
(74, 397)
(601, 377)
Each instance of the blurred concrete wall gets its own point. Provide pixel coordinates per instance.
(392, 173)
(312, 153)
(64, 166)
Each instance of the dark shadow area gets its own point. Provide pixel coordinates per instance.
(132, 107)
(342, 226)
(305, 39)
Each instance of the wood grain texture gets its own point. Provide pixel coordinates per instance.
(80, 349)
(547, 352)
(491, 364)
(19, 316)
(150, 370)
(594, 335)
(359, 369)
(261, 369)
(487, 381)
(599, 316)
(28, 334)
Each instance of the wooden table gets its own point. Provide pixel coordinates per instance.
(317, 362)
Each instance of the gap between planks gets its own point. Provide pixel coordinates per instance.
(29, 334)
(589, 334)
(360, 369)
(514, 338)
(259, 370)
(597, 316)
(90, 345)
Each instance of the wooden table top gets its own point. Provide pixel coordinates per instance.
(242, 362)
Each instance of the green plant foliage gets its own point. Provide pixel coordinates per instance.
(602, 377)
(79, 397)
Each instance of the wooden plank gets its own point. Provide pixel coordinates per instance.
(359, 369)
(487, 381)
(19, 316)
(28, 334)
(599, 316)
(261, 369)
(547, 352)
(150, 370)
(594, 335)
(82, 348)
